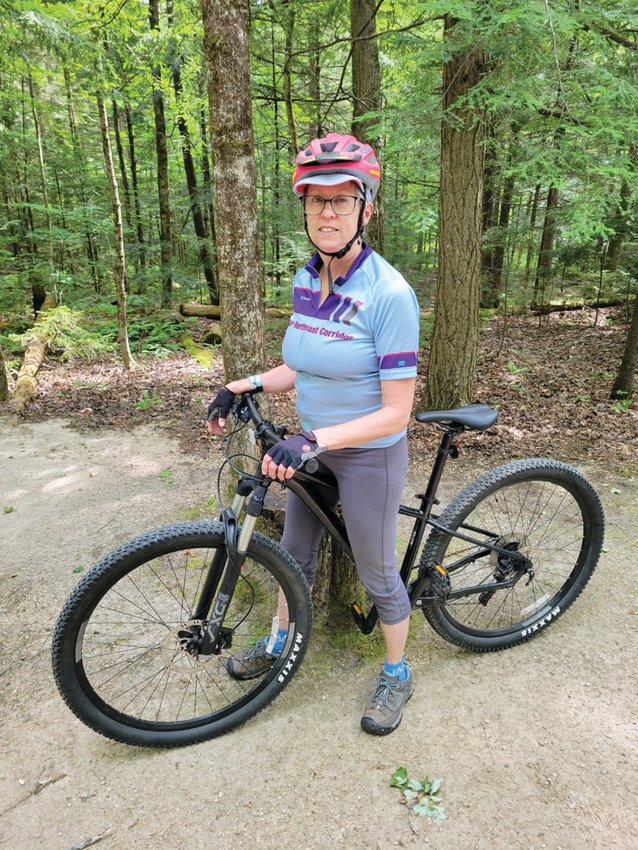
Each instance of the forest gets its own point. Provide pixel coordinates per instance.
(507, 134)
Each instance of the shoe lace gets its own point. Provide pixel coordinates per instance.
(385, 692)
(258, 649)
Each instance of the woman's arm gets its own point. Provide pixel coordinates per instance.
(277, 380)
(397, 398)
(281, 379)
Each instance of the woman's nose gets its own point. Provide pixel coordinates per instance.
(327, 211)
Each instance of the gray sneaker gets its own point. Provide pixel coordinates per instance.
(251, 662)
(385, 708)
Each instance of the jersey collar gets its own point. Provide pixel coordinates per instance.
(315, 263)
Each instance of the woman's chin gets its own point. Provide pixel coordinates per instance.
(329, 243)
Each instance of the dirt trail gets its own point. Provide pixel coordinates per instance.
(537, 747)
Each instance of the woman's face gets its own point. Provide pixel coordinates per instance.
(331, 232)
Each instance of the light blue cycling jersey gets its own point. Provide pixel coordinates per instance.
(341, 350)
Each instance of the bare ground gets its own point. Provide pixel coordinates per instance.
(537, 747)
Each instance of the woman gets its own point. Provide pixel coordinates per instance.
(350, 352)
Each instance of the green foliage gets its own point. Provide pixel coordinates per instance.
(422, 797)
(167, 477)
(9, 509)
(64, 331)
(559, 101)
(513, 369)
(623, 404)
(149, 400)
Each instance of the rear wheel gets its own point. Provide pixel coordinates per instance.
(122, 647)
(548, 522)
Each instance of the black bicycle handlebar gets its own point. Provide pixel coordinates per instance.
(266, 431)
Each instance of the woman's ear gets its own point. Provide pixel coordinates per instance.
(367, 213)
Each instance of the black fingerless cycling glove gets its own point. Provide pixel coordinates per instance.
(289, 452)
(219, 408)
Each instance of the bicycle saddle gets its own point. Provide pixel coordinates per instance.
(479, 417)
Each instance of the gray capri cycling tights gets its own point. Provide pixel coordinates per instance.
(370, 486)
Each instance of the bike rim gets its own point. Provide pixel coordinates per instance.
(128, 657)
(544, 520)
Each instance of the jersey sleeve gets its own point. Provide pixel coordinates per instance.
(396, 332)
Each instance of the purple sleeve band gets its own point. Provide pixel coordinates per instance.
(398, 360)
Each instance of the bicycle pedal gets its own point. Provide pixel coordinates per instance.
(438, 589)
(359, 616)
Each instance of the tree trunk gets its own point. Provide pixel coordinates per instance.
(203, 248)
(289, 28)
(543, 278)
(619, 223)
(624, 384)
(208, 181)
(139, 226)
(240, 273)
(498, 254)
(456, 325)
(4, 380)
(532, 226)
(120, 158)
(43, 179)
(276, 193)
(161, 149)
(489, 206)
(119, 267)
(314, 83)
(91, 251)
(366, 91)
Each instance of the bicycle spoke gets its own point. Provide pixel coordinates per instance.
(538, 519)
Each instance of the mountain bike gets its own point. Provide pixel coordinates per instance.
(142, 646)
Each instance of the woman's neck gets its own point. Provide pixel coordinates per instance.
(339, 267)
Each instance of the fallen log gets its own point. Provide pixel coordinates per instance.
(546, 309)
(211, 311)
(213, 335)
(26, 383)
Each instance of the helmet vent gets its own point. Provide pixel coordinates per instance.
(352, 147)
(328, 147)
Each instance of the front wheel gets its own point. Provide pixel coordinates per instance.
(120, 657)
(546, 520)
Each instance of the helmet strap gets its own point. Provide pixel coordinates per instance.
(336, 255)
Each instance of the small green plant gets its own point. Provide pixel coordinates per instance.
(582, 398)
(9, 509)
(623, 403)
(167, 477)
(78, 569)
(513, 369)
(148, 400)
(422, 797)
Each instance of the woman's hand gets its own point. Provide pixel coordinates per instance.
(286, 456)
(218, 411)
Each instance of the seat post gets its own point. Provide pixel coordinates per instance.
(429, 497)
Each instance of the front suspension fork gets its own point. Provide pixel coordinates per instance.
(226, 567)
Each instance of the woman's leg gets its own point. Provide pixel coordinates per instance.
(370, 487)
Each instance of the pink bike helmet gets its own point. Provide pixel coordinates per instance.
(326, 161)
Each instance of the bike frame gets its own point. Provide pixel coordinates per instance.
(318, 492)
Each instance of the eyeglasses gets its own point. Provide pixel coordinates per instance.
(341, 205)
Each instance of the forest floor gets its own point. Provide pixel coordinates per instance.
(536, 747)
